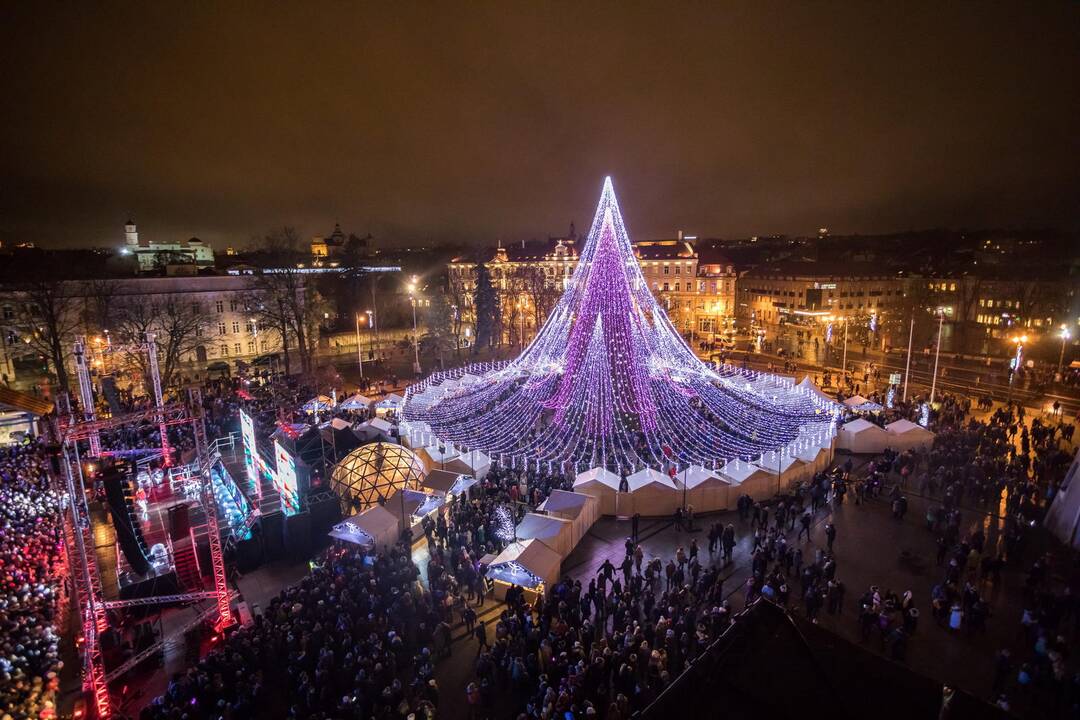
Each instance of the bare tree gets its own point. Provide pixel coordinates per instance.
(53, 315)
(532, 282)
(282, 291)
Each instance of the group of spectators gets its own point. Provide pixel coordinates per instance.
(353, 639)
(31, 585)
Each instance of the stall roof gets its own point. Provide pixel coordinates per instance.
(565, 501)
(649, 476)
(600, 475)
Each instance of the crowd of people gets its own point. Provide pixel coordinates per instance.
(353, 639)
(31, 585)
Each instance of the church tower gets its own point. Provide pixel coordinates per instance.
(131, 235)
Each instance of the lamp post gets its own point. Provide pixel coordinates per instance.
(1065, 335)
(1015, 363)
(907, 366)
(843, 363)
(359, 350)
(371, 334)
(937, 354)
(416, 339)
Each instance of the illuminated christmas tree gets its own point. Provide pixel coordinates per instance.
(609, 381)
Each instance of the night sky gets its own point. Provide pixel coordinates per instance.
(222, 120)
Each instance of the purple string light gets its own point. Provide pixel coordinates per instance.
(609, 381)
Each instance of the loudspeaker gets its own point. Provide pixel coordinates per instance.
(248, 554)
(179, 521)
(117, 483)
(272, 529)
(298, 536)
(324, 515)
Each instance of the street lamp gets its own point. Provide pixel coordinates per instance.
(1015, 362)
(416, 339)
(1065, 335)
(937, 353)
(359, 350)
(371, 333)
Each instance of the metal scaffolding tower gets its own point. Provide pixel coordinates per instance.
(79, 546)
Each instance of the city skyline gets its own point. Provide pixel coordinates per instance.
(471, 127)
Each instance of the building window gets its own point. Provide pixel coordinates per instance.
(235, 327)
(251, 347)
(251, 327)
(232, 305)
(224, 351)
(262, 345)
(198, 331)
(221, 328)
(236, 348)
(667, 270)
(677, 269)
(195, 309)
(219, 306)
(677, 284)
(665, 285)
(9, 312)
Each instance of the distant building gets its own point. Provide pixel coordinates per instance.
(153, 255)
(332, 246)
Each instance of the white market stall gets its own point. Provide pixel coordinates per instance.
(750, 479)
(580, 509)
(529, 564)
(706, 490)
(448, 484)
(554, 532)
(440, 456)
(414, 506)
(789, 467)
(861, 436)
(322, 403)
(1063, 517)
(374, 429)
(602, 484)
(476, 463)
(906, 435)
(654, 493)
(376, 528)
(815, 457)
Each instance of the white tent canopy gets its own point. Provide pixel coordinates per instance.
(477, 463)
(447, 483)
(905, 435)
(318, 404)
(528, 563)
(862, 436)
(580, 509)
(356, 402)
(375, 528)
(1063, 517)
(553, 531)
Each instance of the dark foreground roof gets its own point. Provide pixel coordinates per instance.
(21, 401)
(771, 665)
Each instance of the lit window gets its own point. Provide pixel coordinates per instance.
(225, 351)
(236, 348)
(251, 346)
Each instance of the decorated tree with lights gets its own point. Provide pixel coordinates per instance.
(488, 312)
(608, 381)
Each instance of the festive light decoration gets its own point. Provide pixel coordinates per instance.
(504, 524)
(375, 471)
(608, 381)
(515, 573)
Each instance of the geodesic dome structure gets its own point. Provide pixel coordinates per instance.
(373, 472)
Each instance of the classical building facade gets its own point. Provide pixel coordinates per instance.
(531, 276)
(802, 304)
(207, 317)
